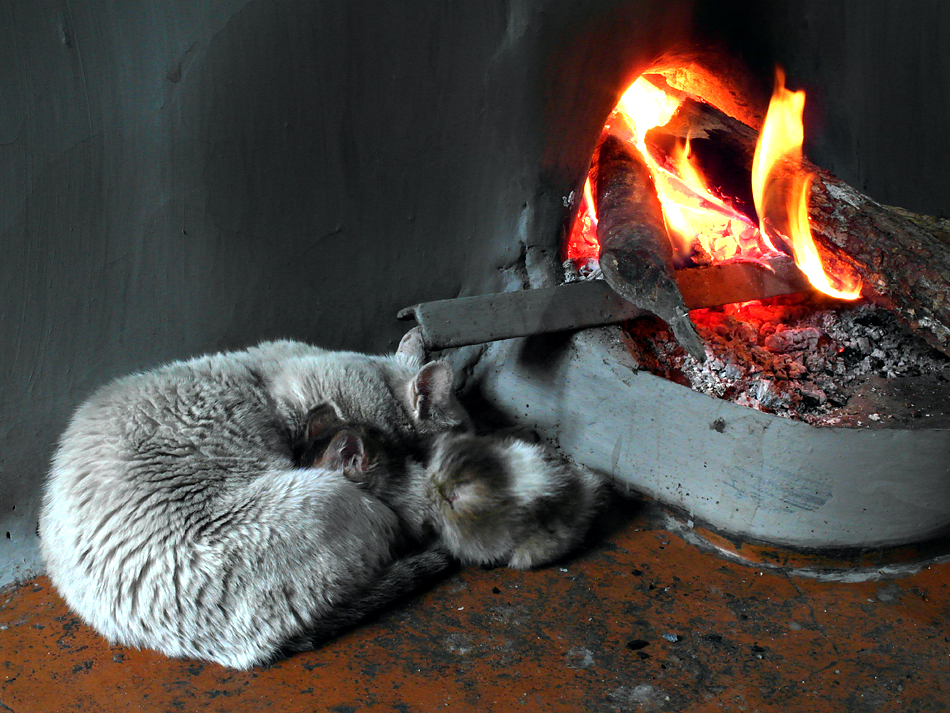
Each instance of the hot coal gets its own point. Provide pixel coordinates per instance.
(807, 357)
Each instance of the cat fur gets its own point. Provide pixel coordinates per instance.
(175, 519)
(492, 500)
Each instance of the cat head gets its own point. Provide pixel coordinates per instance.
(468, 480)
(429, 396)
(398, 393)
(364, 454)
(360, 459)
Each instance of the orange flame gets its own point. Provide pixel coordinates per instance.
(644, 105)
(701, 225)
(582, 244)
(695, 214)
(696, 219)
(780, 188)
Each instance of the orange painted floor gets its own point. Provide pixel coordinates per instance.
(642, 621)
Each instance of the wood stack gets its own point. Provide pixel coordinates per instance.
(902, 261)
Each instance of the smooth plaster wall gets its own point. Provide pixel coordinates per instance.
(189, 176)
(183, 177)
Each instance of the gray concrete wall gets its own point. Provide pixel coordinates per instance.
(179, 177)
(185, 176)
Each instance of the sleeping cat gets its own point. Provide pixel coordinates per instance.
(502, 500)
(492, 500)
(175, 519)
(388, 468)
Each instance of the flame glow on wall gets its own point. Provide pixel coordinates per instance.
(703, 225)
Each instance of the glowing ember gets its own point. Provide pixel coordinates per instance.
(702, 226)
(780, 188)
(583, 244)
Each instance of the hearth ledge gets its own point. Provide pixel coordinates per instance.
(742, 471)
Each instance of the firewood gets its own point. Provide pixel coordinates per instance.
(636, 255)
(486, 318)
(903, 264)
(905, 267)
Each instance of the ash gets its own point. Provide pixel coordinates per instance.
(797, 356)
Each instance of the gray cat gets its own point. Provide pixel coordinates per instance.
(492, 500)
(175, 519)
(499, 500)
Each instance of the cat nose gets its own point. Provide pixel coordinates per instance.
(441, 493)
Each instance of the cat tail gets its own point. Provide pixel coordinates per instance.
(398, 581)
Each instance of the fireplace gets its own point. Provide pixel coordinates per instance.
(858, 468)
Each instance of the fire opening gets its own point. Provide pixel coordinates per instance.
(709, 218)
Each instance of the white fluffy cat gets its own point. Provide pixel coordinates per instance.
(175, 519)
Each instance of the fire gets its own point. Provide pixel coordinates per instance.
(702, 225)
(644, 106)
(582, 245)
(693, 214)
(780, 188)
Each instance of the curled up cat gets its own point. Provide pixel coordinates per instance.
(491, 500)
(502, 500)
(175, 518)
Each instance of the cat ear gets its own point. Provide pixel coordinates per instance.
(430, 391)
(347, 452)
(319, 419)
(412, 347)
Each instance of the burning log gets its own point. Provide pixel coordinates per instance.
(636, 255)
(903, 265)
(906, 266)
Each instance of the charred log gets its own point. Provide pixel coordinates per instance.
(906, 266)
(486, 318)
(636, 255)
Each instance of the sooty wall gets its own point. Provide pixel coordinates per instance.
(877, 76)
(189, 176)
(182, 177)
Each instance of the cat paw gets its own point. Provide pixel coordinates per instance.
(432, 560)
(413, 346)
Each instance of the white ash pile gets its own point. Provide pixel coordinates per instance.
(798, 356)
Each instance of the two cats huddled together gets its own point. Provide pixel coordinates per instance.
(238, 506)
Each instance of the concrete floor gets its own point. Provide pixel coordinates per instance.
(642, 620)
